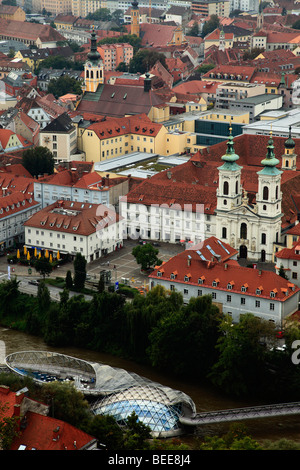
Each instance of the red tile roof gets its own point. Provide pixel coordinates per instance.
(195, 87)
(155, 35)
(63, 216)
(290, 253)
(139, 124)
(215, 35)
(225, 273)
(196, 181)
(46, 433)
(245, 72)
(31, 31)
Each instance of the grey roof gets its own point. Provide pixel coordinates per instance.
(62, 123)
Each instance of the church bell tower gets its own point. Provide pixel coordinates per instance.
(93, 68)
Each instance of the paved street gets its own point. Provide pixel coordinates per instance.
(122, 264)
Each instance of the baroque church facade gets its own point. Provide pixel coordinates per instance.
(240, 205)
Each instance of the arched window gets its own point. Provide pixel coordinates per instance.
(225, 188)
(92, 74)
(87, 74)
(97, 74)
(236, 187)
(265, 193)
(243, 231)
(224, 232)
(276, 192)
(263, 238)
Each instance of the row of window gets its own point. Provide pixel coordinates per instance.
(214, 296)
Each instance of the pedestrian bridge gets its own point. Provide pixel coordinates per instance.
(239, 414)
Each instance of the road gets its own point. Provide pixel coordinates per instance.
(27, 288)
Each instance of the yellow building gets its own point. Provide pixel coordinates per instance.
(83, 7)
(227, 116)
(10, 12)
(116, 137)
(57, 7)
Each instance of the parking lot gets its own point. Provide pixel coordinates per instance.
(121, 263)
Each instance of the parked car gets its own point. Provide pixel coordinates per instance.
(34, 282)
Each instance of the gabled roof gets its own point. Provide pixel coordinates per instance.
(139, 124)
(62, 123)
(119, 100)
(31, 31)
(223, 274)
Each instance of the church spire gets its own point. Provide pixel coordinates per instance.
(94, 55)
(230, 157)
(270, 161)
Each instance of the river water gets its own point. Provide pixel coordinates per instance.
(205, 397)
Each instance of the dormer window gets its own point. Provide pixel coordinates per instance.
(187, 277)
(200, 280)
(215, 283)
(229, 286)
(272, 294)
(159, 273)
(258, 291)
(244, 288)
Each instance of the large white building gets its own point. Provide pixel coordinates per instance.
(239, 205)
(210, 269)
(71, 227)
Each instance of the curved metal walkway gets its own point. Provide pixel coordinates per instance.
(238, 414)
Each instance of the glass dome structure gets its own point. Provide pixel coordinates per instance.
(116, 392)
(157, 407)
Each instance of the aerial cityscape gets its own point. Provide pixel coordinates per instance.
(149, 226)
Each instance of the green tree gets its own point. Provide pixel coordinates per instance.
(63, 85)
(192, 331)
(282, 272)
(242, 364)
(210, 25)
(132, 39)
(146, 255)
(103, 14)
(205, 68)
(66, 403)
(136, 434)
(145, 59)
(43, 296)
(79, 271)
(8, 428)
(69, 280)
(106, 431)
(38, 160)
(43, 266)
(194, 31)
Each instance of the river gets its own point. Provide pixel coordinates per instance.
(205, 397)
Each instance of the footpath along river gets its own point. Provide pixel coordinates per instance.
(204, 397)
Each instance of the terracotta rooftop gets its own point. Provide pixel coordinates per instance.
(139, 124)
(224, 273)
(31, 31)
(46, 433)
(73, 217)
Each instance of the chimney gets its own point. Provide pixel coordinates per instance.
(147, 82)
(259, 272)
(225, 266)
